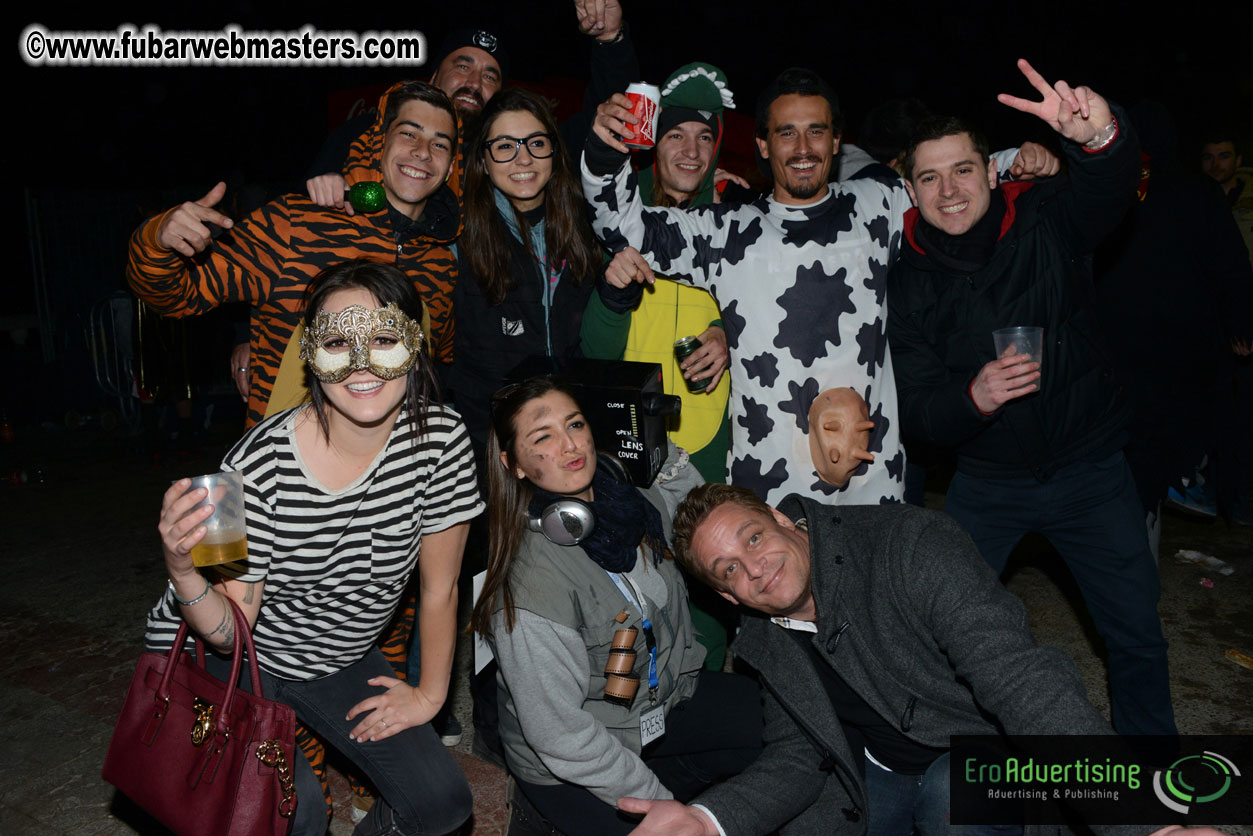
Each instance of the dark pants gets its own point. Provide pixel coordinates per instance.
(902, 804)
(1092, 515)
(713, 735)
(421, 788)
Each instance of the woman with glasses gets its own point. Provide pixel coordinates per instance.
(527, 258)
(602, 694)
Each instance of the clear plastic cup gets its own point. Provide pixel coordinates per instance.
(1020, 339)
(226, 539)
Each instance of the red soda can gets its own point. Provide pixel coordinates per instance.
(645, 104)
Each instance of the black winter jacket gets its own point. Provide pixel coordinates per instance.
(940, 325)
(492, 339)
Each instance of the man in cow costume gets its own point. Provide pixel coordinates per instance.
(800, 277)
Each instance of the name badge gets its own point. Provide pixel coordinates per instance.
(652, 724)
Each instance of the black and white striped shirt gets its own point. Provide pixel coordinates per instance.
(336, 562)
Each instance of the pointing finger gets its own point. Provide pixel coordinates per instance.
(214, 195)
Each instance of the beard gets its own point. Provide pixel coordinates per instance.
(804, 191)
(473, 94)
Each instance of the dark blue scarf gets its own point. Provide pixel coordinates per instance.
(624, 519)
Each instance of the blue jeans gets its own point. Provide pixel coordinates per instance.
(900, 804)
(1092, 515)
(421, 788)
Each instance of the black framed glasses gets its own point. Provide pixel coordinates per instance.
(503, 149)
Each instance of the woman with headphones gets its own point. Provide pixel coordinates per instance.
(601, 690)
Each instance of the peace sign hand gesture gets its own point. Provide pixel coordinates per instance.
(1079, 113)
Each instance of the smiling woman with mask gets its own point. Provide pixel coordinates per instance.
(527, 256)
(345, 498)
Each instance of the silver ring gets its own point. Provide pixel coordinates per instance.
(241, 369)
(384, 722)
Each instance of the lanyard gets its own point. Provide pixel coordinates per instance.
(632, 593)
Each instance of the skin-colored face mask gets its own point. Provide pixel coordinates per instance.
(839, 435)
(384, 340)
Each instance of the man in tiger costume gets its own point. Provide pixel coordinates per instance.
(180, 269)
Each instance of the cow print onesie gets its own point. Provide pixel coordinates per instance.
(802, 292)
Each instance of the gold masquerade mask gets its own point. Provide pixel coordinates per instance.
(385, 341)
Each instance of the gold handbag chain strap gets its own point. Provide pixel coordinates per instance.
(270, 753)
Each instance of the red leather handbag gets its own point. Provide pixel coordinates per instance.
(202, 756)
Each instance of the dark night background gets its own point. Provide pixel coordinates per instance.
(94, 150)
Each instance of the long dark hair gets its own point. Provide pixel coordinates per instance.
(386, 284)
(508, 497)
(567, 234)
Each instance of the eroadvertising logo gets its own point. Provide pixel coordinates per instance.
(1100, 780)
(1194, 779)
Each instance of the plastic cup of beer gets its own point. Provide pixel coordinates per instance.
(225, 540)
(1020, 339)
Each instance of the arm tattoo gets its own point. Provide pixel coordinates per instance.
(225, 629)
(250, 593)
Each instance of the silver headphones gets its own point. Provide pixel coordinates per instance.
(569, 521)
(566, 522)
